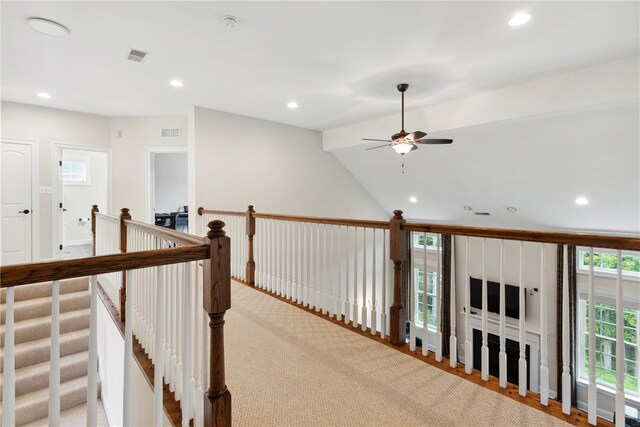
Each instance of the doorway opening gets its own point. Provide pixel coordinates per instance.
(168, 199)
(83, 181)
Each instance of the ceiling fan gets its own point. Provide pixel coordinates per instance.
(404, 142)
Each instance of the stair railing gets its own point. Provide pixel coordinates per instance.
(150, 264)
(340, 268)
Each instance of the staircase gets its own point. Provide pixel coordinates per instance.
(32, 314)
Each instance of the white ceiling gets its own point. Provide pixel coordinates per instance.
(538, 165)
(339, 61)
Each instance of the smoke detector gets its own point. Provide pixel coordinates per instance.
(230, 21)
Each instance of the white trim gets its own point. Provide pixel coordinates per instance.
(56, 194)
(149, 178)
(35, 192)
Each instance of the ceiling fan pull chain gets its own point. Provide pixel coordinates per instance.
(403, 164)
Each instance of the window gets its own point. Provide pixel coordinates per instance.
(431, 297)
(418, 241)
(605, 348)
(607, 262)
(75, 171)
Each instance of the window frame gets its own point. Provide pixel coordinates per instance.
(581, 341)
(583, 268)
(416, 274)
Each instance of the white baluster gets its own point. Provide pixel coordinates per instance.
(364, 279)
(323, 263)
(347, 304)
(374, 302)
(355, 279)
(9, 364)
(340, 310)
(300, 258)
(92, 365)
(383, 315)
(289, 259)
(158, 406)
(127, 396)
(313, 266)
(332, 301)
(484, 355)
(502, 356)
(54, 373)
(319, 272)
(453, 340)
(544, 369)
(282, 285)
(307, 263)
(425, 286)
(186, 347)
(438, 304)
(620, 350)
(522, 361)
(272, 249)
(468, 343)
(566, 376)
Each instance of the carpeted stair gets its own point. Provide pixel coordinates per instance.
(32, 314)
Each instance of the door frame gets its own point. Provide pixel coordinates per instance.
(57, 193)
(35, 192)
(149, 174)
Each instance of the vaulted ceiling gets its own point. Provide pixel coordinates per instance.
(340, 61)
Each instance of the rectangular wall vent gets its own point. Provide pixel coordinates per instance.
(482, 213)
(171, 133)
(137, 55)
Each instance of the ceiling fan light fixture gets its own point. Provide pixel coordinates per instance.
(402, 147)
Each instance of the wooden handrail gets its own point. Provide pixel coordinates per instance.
(175, 236)
(577, 239)
(24, 274)
(331, 221)
(202, 211)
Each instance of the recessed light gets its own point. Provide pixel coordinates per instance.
(176, 83)
(467, 208)
(512, 209)
(412, 199)
(582, 201)
(48, 27)
(519, 19)
(44, 95)
(292, 105)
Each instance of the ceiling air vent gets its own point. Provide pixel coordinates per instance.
(137, 55)
(482, 213)
(171, 133)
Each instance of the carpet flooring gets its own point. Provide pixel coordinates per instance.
(287, 367)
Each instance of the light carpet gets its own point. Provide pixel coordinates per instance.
(287, 367)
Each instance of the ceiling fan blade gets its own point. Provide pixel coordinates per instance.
(378, 140)
(413, 147)
(433, 141)
(379, 146)
(416, 135)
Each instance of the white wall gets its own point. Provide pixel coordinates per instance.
(79, 198)
(111, 371)
(48, 126)
(130, 177)
(170, 177)
(240, 161)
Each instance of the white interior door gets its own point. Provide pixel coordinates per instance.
(16, 203)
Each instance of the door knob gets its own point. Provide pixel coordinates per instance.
(26, 211)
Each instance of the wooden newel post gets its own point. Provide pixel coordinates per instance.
(397, 254)
(124, 215)
(216, 301)
(251, 231)
(94, 210)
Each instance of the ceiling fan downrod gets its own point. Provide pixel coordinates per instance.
(402, 87)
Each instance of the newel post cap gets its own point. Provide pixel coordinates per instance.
(397, 214)
(250, 208)
(200, 210)
(216, 229)
(94, 208)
